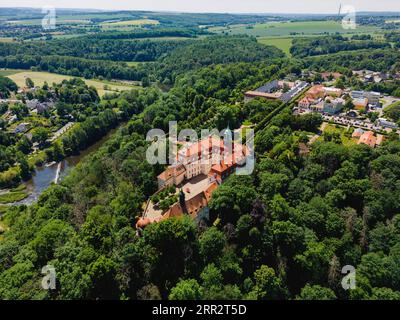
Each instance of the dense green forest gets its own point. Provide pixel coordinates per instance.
(376, 60)
(326, 45)
(76, 57)
(283, 232)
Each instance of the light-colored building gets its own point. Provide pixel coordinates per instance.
(334, 92)
(333, 105)
(386, 123)
(373, 97)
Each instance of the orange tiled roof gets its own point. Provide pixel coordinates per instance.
(171, 171)
(221, 167)
(368, 138)
(175, 211)
(209, 191)
(165, 175)
(195, 204)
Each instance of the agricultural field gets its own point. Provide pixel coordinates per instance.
(38, 22)
(285, 29)
(39, 78)
(6, 39)
(281, 43)
(136, 23)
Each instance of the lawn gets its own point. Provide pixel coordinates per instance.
(132, 63)
(345, 135)
(12, 196)
(286, 29)
(8, 72)
(40, 77)
(281, 43)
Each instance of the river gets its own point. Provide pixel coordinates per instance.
(44, 176)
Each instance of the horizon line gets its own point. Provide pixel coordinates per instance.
(199, 12)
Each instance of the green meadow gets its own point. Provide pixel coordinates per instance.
(282, 43)
(285, 29)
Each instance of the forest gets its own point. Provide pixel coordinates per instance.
(282, 233)
(325, 45)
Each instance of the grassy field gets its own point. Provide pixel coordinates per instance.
(39, 78)
(14, 195)
(282, 43)
(132, 63)
(7, 72)
(285, 29)
(38, 22)
(6, 40)
(137, 23)
(345, 135)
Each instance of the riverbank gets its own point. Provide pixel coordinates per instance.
(44, 176)
(13, 195)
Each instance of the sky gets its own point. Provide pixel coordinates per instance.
(231, 6)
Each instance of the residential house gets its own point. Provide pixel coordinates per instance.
(22, 127)
(305, 103)
(368, 138)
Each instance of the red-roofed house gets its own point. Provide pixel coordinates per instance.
(368, 138)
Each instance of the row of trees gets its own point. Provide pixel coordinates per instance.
(304, 47)
(6, 86)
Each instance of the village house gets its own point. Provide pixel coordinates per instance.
(370, 139)
(329, 76)
(305, 103)
(357, 133)
(22, 127)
